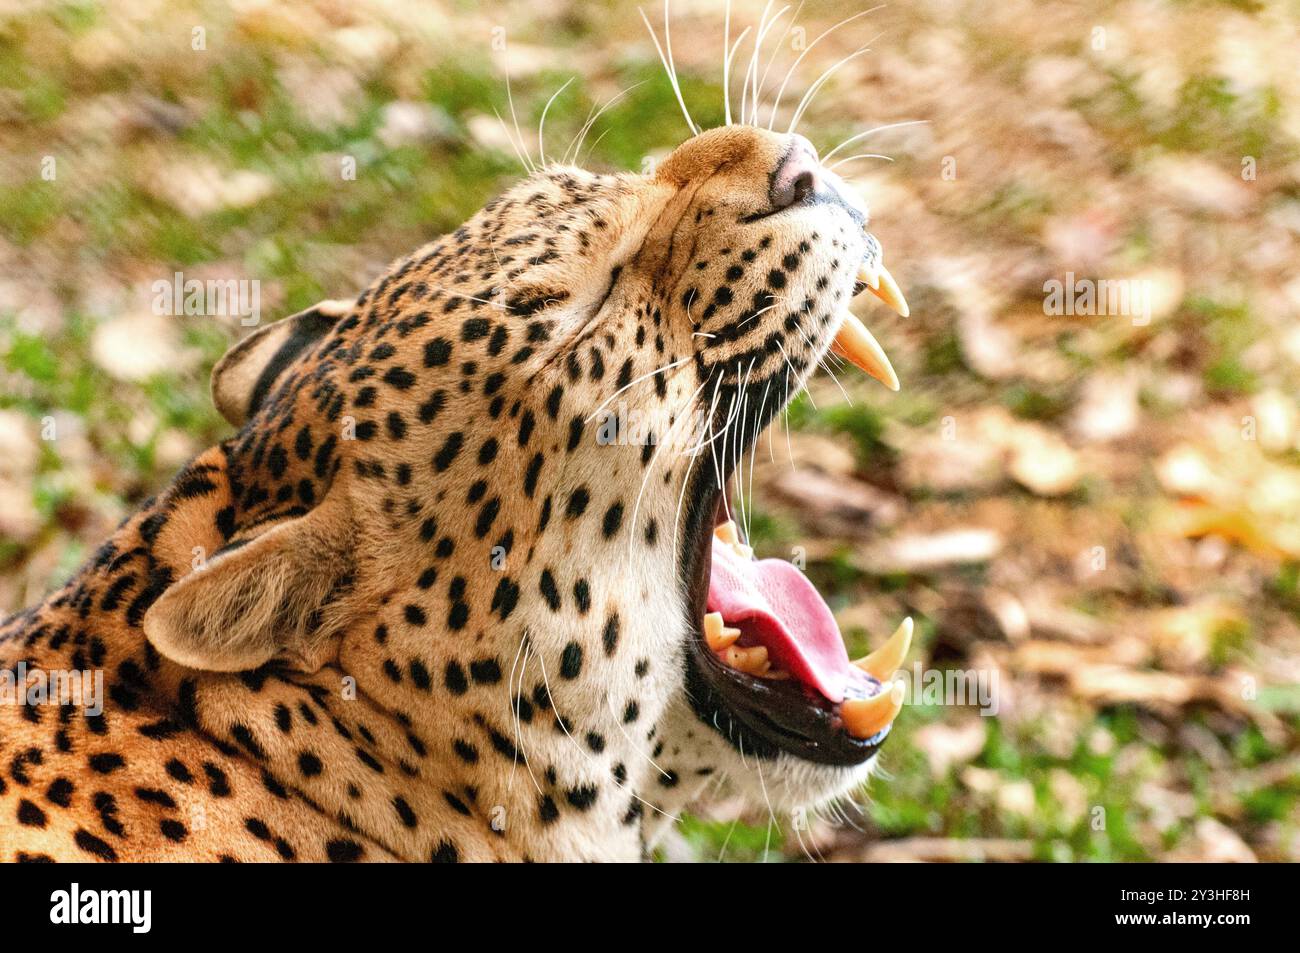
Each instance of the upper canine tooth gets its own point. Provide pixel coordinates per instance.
(864, 717)
(717, 634)
(888, 292)
(858, 346)
(885, 661)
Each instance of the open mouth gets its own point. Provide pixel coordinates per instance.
(768, 667)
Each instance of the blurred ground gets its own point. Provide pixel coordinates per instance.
(1102, 511)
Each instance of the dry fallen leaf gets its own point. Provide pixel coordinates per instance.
(1214, 843)
(836, 506)
(924, 552)
(18, 448)
(950, 745)
(1042, 462)
(134, 347)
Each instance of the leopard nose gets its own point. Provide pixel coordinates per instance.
(797, 176)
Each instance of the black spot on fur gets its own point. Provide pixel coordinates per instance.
(571, 661)
(343, 851)
(455, 680)
(94, 846)
(549, 590)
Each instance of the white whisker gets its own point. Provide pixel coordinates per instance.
(821, 362)
(796, 373)
(785, 415)
(633, 383)
(753, 66)
(576, 146)
(541, 126)
(823, 79)
(513, 144)
(804, 847)
(726, 73)
(510, 98)
(799, 59)
(771, 813)
(686, 477)
(860, 155)
(753, 451)
(727, 840)
(595, 142)
(664, 441)
(669, 67)
(752, 69)
(742, 504)
(609, 703)
(519, 738)
(776, 48)
(862, 135)
(726, 43)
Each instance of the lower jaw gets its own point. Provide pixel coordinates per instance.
(759, 717)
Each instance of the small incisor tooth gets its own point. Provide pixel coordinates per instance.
(885, 661)
(728, 534)
(752, 661)
(858, 346)
(865, 717)
(717, 634)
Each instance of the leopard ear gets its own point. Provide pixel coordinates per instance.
(248, 371)
(276, 595)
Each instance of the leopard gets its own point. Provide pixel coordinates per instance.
(420, 606)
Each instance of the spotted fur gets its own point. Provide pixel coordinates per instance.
(413, 609)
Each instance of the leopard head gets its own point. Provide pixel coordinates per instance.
(492, 489)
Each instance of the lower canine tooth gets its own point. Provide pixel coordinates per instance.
(858, 346)
(717, 634)
(865, 717)
(884, 661)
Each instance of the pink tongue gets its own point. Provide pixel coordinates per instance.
(773, 603)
